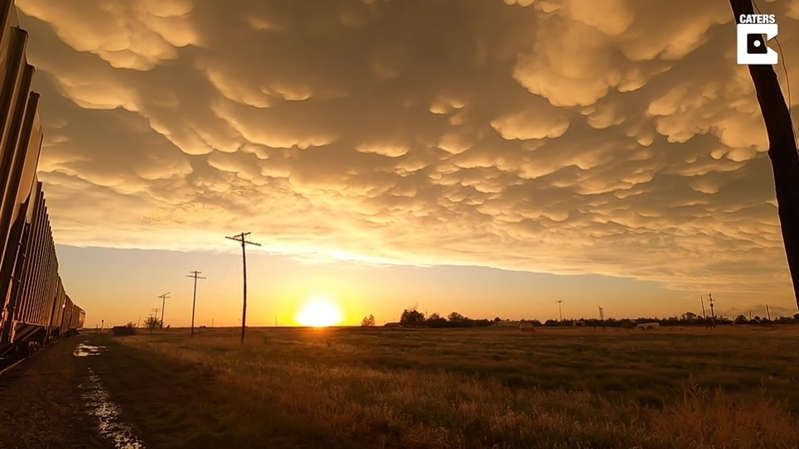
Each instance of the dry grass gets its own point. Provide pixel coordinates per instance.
(503, 389)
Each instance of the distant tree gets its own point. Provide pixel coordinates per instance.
(740, 319)
(368, 321)
(497, 319)
(478, 323)
(412, 318)
(688, 316)
(456, 317)
(152, 322)
(435, 320)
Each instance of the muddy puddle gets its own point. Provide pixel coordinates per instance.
(99, 405)
(85, 350)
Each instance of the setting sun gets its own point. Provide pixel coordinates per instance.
(319, 311)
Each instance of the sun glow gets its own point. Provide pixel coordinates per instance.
(319, 311)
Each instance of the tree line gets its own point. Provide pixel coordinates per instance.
(414, 318)
(687, 319)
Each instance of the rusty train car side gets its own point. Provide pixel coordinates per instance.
(34, 307)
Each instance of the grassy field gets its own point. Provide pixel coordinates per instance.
(485, 388)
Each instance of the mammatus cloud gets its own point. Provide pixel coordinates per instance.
(132, 35)
(566, 136)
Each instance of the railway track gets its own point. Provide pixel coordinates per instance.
(9, 365)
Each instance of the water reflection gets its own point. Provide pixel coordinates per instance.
(98, 404)
(84, 350)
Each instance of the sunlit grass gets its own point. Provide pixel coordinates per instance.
(504, 389)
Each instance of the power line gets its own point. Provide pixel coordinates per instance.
(241, 238)
(196, 275)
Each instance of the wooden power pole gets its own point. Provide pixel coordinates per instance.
(241, 237)
(712, 308)
(782, 151)
(702, 301)
(163, 304)
(196, 275)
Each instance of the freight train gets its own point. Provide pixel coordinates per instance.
(34, 308)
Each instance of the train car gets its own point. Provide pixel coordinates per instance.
(74, 320)
(34, 306)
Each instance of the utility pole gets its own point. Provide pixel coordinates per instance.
(560, 310)
(241, 237)
(782, 151)
(196, 275)
(768, 313)
(163, 304)
(602, 317)
(712, 310)
(701, 300)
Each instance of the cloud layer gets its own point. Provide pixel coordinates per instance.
(566, 136)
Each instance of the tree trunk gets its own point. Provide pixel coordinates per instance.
(782, 152)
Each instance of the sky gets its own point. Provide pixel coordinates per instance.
(482, 156)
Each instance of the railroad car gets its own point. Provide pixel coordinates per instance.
(34, 308)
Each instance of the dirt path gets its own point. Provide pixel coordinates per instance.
(175, 405)
(41, 405)
(89, 391)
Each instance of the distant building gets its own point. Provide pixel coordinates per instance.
(393, 324)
